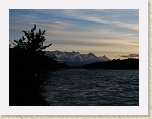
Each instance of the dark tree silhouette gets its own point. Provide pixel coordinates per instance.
(29, 69)
(33, 41)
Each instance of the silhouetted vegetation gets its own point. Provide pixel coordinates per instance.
(29, 69)
(114, 64)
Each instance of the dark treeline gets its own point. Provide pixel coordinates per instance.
(114, 64)
(29, 69)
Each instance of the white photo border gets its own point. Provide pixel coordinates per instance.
(142, 109)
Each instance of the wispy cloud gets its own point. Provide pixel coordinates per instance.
(106, 31)
(108, 17)
(126, 26)
(130, 55)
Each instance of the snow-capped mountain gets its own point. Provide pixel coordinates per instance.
(75, 58)
(104, 58)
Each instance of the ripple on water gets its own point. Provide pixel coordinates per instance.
(81, 87)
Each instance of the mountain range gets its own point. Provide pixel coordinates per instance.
(75, 58)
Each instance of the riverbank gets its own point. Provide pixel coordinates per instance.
(27, 72)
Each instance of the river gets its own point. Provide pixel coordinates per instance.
(83, 87)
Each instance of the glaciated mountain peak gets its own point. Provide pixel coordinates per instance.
(103, 58)
(90, 54)
(75, 57)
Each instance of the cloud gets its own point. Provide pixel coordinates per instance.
(126, 26)
(108, 31)
(52, 25)
(130, 55)
(111, 18)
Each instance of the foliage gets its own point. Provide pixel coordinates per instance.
(34, 40)
(29, 69)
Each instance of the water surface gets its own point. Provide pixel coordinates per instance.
(82, 87)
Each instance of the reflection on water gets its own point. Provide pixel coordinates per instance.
(81, 87)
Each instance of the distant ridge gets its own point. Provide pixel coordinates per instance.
(75, 58)
(127, 64)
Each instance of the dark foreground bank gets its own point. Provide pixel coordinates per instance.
(29, 69)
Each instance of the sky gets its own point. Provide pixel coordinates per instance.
(110, 32)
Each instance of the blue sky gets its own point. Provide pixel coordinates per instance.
(110, 32)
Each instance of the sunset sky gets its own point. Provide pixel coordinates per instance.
(113, 32)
